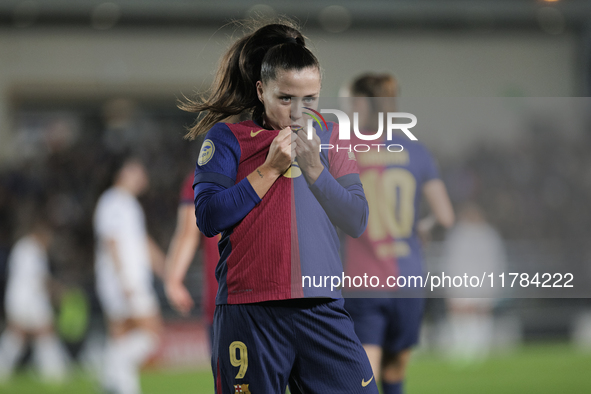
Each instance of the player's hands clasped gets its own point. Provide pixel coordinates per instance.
(308, 155)
(281, 151)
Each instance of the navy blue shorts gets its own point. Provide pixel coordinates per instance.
(308, 343)
(394, 324)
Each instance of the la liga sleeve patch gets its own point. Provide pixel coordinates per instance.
(206, 153)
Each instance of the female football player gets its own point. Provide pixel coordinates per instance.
(394, 183)
(125, 258)
(276, 201)
(28, 307)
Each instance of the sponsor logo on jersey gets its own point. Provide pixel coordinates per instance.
(206, 153)
(255, 133)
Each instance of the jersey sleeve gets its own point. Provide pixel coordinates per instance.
(342, 161)
(218, 208)
(220, 202)
(110, 219)
(186, 196)
(218, 158)
(345, 206)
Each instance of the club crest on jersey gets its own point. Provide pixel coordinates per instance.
(206, 153)
(293, 171)
(241, 389)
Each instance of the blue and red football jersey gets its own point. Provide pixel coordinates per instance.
(288, 233)
(393, 183)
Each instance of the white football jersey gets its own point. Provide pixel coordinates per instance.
(119, 216)
(27, 300)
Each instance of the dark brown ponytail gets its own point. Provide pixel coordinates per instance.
(254, 57)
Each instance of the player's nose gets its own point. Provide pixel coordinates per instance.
(296, 109)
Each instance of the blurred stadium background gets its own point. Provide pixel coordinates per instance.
(82, 79)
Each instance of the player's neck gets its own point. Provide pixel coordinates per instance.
(41, 239)
(121, 186)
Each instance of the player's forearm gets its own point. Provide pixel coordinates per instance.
(262, 179)
(346, 207)
(427, 223)
(157, 257)
(438, 200)
(180, 256)
(312, 173)
(218, 209)
(445, 215)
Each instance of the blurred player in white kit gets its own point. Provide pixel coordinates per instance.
(28, 308)
(125, 258)
(473, 247)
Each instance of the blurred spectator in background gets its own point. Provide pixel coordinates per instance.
(124, 255)
(473, 247)
(184, 244)
(28, 307)
(394, 184)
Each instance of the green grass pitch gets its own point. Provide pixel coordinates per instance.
(539, 369)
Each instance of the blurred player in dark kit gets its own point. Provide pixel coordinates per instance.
(394, 183)
(276, 202)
